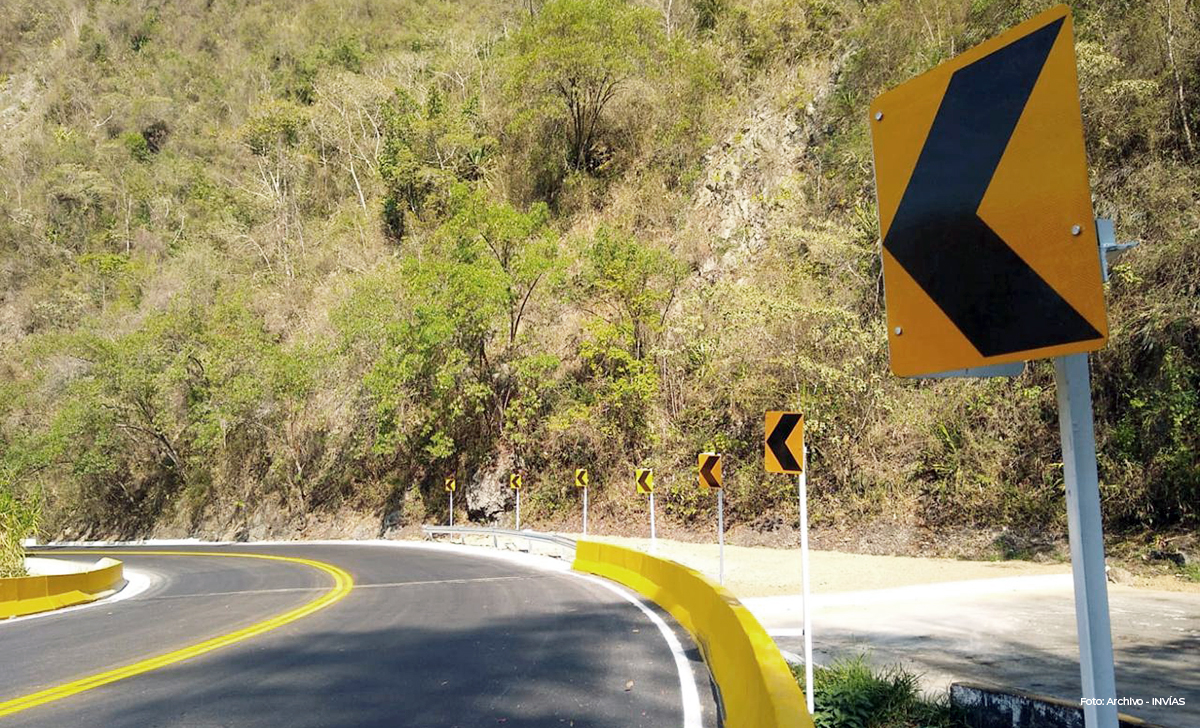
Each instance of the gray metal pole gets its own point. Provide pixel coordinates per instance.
(721, 533)
(652, 539)
(518, 509)
(451, 508)
(808, 658)
(1087, 540)
(585, 490)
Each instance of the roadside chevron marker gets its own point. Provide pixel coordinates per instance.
(450, 485)
(581, 478)
(990, 251)
(514, 481)
(645, 480)
(784, 442)
(710, 471)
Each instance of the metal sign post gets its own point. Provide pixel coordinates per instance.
(721, 534)
(451, 508)
(802, 482)
(652, 538)
(518, 509)
(581, 481)
(1086, 534)
(643, 479)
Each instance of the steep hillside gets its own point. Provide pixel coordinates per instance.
(272, 268)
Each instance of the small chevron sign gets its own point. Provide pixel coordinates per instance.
(645, 480)
(710, 471)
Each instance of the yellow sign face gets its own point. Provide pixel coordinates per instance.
(514, 481)
(710, 471)
(581, 478)
(990, 252)
(784, 446)
(450, 485)
(645, 480)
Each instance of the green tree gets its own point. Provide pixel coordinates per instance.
(420, 330)
(574, 57)
(427, 149)
(519, 248)
(631, 283)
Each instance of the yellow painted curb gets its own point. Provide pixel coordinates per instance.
(23, 595)
(342, 584)
(757, 687)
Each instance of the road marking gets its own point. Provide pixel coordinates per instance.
(342, 584)
(688, 692)
(358, 587)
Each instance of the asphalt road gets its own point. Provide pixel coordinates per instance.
(425, 638)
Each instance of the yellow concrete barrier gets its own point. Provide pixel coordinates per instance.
(31, 594)
(757, 688)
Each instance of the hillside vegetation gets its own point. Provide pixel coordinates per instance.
(268, 262)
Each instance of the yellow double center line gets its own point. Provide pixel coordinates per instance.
(342, 584)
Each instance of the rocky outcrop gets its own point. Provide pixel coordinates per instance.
(488, 494)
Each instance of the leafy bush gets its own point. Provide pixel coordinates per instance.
(851, 694)
(18, 521)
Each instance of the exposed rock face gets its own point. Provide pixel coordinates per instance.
(744, 173)
(749, 174)
(488, 494)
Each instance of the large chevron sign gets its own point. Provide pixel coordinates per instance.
(784, 447)
(990, 252)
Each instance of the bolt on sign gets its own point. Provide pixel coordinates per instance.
(989, 241)
(450, 485)
(645, 480)
(710, 471)
(784, 446)
(514, 481)
(581, 477)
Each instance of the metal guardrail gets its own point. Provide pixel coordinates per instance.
(562, 542)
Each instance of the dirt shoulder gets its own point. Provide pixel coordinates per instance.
(754, 572)
(760, 571)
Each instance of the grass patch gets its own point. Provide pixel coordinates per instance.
(18, 520)
(850, 693)
(1191, 572)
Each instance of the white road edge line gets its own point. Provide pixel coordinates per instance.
(687, 678)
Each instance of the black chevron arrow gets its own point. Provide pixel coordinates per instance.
(998, 302)
(777, 440)
(706, 471)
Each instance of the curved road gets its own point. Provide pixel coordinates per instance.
(425, 637)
